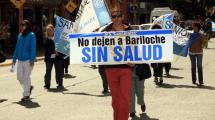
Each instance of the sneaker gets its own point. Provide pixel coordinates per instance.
(105, 92)
(25, 98)
(156, 80)
(168, 75)
(161, 81)
(143, 108)
(46, 87)
(132, 115)
(31, 88)
(60, 87)
(195, 83)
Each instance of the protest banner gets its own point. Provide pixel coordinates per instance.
(180, 35)
(63, 28)
(121, 47)
(92, 14)
(213, 26)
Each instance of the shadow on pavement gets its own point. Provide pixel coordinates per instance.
(82, 93)
(144, 116)
(172, 68)
(56, 90)
(28, 104)
(2, 100)
(174, 77)
(92, 67)
(166, 85)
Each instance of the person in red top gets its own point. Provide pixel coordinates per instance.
(119, 77)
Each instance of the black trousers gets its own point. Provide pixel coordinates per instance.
(167, 67)
(101, 69)
(158, 69)
(58, 64)
(66, 65)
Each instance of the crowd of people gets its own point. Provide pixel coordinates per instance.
(124, 82)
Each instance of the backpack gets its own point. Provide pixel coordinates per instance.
(143, 71)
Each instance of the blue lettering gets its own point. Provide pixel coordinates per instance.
(102, 54)
(128, 54)
(136, 53)
(93, 54)
(60, 23)
(117, 50)
(157, 52)
(145, 51)
(85, 52)
(168, 25)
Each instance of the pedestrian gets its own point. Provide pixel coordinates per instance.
(119, 76)
(157, 67)
(3, 35)
(167, 67)
(52, 58)
(101, 69)
(195, 44)
(140, 74)
(25, 53)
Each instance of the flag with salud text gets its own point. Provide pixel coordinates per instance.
(62, 29)
(181, 35)
(92, 14)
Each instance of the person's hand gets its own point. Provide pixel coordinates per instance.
(130, 64)
(31, 63)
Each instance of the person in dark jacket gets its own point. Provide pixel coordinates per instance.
(52, 58)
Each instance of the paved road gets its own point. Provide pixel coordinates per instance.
(178, 99)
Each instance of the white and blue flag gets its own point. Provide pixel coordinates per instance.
(63, 28)
(92, 14)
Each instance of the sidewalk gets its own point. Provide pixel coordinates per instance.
(8, 62)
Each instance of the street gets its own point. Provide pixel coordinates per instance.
(177, 99)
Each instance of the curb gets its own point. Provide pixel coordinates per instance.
(9, 62)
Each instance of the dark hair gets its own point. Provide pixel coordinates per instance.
(197, 24)
(28, 27)
(156, 26)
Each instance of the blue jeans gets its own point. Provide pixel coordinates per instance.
(196, 60)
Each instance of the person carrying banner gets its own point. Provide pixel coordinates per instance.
(25, 53)
(196, 53)
(119, 76)
(51, 58)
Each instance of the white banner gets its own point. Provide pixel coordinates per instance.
(122, 47)
(92, 14)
